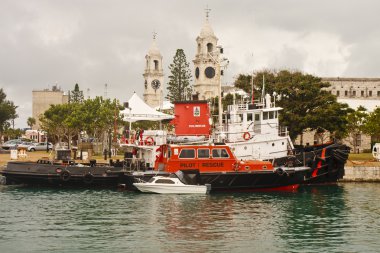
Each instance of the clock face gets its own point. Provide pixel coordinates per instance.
(210, 72)
(155, 84)
(197, 72)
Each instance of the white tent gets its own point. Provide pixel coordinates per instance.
(139, 110)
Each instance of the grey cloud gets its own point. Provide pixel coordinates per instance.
(93, 42)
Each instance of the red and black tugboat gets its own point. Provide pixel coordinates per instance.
(218, 166)
(253, 132)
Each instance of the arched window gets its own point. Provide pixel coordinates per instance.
(210, 47)
(199, 48)
(155, 65)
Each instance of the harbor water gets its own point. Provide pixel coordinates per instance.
(334, 218)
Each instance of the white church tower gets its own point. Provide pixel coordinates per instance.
(206, 63)
(153, 76)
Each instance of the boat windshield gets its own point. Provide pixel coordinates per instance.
(190, 177)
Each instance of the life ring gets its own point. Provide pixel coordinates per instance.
(149, 141)
(246, 136)
(65, 176)
(88, 178)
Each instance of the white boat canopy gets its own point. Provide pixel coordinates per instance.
(139, 110)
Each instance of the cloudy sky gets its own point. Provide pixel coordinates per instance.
(94, 42)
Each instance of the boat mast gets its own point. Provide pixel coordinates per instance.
(263, 91)
(253, 95)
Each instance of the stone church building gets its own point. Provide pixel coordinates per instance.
(207, 68)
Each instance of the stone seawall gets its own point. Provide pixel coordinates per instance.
(361, 174)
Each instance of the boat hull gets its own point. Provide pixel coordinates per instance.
(240, 181)
(171, 189)
(47, 174)
(326, 162)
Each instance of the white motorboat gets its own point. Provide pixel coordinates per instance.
(171, 185)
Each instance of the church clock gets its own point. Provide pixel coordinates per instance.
(156, 84)
(210, 72)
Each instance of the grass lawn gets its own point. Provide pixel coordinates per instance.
(361, 157)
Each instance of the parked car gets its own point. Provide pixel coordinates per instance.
(40, 146)
(26, 144)
(11, 144)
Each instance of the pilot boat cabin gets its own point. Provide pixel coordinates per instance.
(205, 158)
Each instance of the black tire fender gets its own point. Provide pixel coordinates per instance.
(65, 175)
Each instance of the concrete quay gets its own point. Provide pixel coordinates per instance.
(361, 174)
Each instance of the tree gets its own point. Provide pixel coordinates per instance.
(76, 95)
(31, 122)
(356, 124)
(95, 116)
(306, 104)
(179, 87)
(7, 112)
(372, 126)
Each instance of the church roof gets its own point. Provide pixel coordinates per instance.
(206, 30)
(153, 50)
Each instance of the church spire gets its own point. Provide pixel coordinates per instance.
(206, 30)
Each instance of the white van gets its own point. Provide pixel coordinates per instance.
(376, 151)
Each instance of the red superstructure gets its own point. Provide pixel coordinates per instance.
(191, 118)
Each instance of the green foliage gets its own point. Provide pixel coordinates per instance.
(372, 126)
(95, 116)
(7, 112)
(14, 133)
(76, 95)
(179, 87)
(305, 104)
(31, 121)
(356, 124)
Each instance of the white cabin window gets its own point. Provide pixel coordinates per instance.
(164, 181)
(257, 116)
(271, 115)
(265, 115)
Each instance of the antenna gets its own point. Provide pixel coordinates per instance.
(105, 91)
(88, 93)
(263, 91)
(207, 10)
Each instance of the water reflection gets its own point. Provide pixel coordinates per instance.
(337, 218)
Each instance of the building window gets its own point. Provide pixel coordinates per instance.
(362, 93)
(345, 93)
(337, 93)
(358, 140)
(155, 65)
(378, 93)
(354, 93)
(210, 47)
(370, 93)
